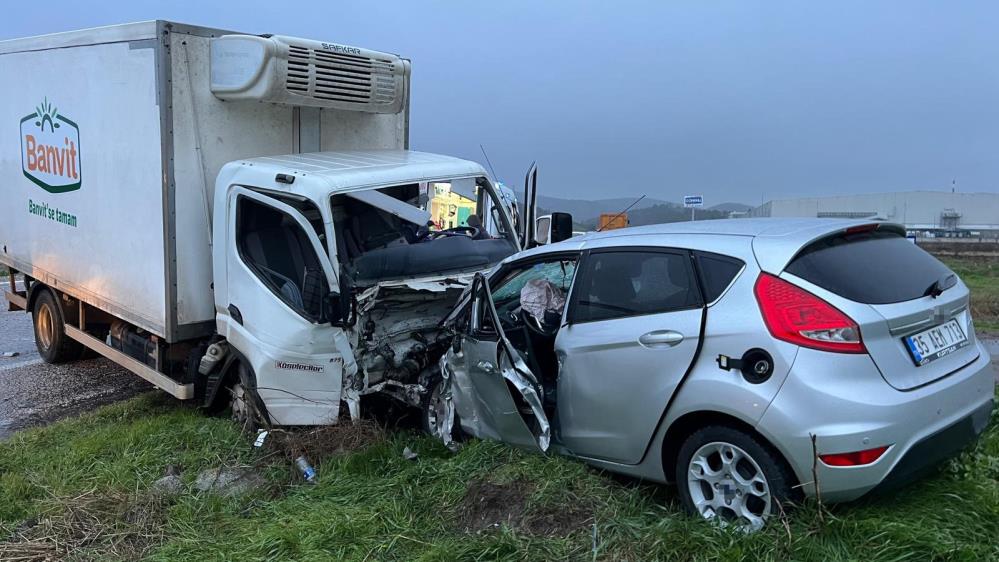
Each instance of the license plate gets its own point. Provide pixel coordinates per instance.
(936, 342)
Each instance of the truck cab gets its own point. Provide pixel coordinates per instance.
(333, 271)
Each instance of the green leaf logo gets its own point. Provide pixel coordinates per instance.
(47, 114)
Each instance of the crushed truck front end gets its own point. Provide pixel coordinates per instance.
(335, 270)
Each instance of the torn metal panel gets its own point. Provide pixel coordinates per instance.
(526, 384)
(444, 430)
(433, 284)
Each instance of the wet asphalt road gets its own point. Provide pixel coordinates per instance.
(33, 393)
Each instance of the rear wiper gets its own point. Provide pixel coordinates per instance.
(940, 285)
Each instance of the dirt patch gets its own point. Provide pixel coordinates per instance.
(559, 521)
(92, 526)
(488, 507)
(320, 443)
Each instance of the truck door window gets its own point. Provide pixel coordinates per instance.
(632, 283)
(277, 250)
(311, 214)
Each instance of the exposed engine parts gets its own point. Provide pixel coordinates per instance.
(399, 340)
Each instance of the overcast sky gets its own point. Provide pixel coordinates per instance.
(738, 101)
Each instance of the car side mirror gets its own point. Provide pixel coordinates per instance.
(561, 227)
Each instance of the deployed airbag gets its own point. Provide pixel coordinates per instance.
(539, 296)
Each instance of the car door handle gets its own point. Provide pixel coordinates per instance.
(661, 338)
(486, 366)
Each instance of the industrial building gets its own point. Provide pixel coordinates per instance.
(940, 213)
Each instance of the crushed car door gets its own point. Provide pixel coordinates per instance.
(279, 285)
(494, 392)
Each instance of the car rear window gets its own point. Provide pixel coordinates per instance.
(717, 273)
(869, 267)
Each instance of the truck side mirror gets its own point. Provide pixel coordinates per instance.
(561, 227)
(552, 228)
(543, 230)
(340, 310)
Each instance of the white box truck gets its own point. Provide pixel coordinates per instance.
(233, 215)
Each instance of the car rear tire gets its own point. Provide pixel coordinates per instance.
(53, 344)
(730, 476)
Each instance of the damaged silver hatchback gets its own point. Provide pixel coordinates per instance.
(739, 359)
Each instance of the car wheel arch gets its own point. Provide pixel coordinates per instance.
(688, 423)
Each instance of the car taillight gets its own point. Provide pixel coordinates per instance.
(857, 458)
(794, 315)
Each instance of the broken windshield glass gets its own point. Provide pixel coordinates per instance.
(420, 228)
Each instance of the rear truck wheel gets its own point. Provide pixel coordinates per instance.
(726, 475)
(50, 331)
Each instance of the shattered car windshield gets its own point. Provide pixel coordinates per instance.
(419, 229)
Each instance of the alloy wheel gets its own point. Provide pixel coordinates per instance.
(727, 485)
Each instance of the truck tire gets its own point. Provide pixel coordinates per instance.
(53, 344)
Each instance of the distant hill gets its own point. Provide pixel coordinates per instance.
(586, 214)
(731, 207)
(583, 211)
(665, 212)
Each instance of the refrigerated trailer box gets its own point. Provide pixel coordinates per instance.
(232, 214)
(108, 181)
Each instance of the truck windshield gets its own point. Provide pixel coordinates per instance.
(420, 229)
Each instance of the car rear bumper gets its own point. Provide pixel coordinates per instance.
(925, 455)
(845, 403)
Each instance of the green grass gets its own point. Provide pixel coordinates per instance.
(981, 274)
(375, 505)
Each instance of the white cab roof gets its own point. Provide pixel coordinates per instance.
(350, 170)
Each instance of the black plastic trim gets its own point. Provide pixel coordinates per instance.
(928, 453)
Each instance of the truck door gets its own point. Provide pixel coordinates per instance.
(279, 280)
(634, 322)
(494, 390)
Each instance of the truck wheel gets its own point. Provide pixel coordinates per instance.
(726, 475)
(242, 410)
(50, 331)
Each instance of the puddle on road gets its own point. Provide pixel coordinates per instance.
(4, 432)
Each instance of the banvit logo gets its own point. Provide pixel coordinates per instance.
(50, 150)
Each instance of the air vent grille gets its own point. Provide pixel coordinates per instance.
(342, 77)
